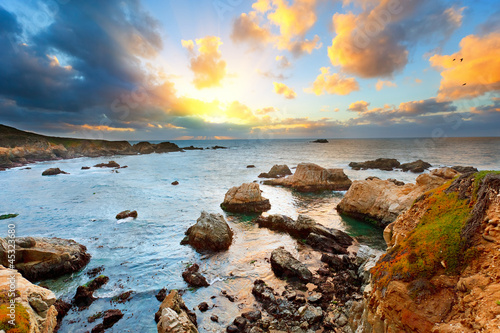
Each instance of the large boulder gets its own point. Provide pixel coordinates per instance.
(34, 306)
(174, 317)
(277, 171)
(210, 233)
(418, 166)
(285, 265)
(125, 214)
(310, 177)
(381, 201)
(246, 198)
(44, 258)
(316, 235)
(193, 277)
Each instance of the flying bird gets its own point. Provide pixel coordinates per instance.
(454, 59)
(461, 59)
(464, 84)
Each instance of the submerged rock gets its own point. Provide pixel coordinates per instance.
(193, 277)
(125, 214)
(45, 258)
(53, 172)
(174, 317)
(34, 306)
(277, 171)
(285, 265)
(110, 164)
(84, 296)
(246, 198)
(310, 177)
(210, 233)
(381, 201)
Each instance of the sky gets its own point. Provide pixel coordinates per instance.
(262, 69)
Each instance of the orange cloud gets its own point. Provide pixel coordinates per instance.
(283, 89)
(102, 128)
(359, 106)
(293, 21)
(477, 74)
(264, 111)
(208, 67)
(381, 83)
(332, 84)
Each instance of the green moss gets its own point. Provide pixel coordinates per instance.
(8, 216)
(22, 321)
(434, 245)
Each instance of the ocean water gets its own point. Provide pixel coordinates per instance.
(145, 255)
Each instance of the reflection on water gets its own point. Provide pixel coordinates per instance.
(145, 255)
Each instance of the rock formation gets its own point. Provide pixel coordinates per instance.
(381, 201)
(285, 265)
(125, 214)
(246, 198)
(210, 233)
(193, 277)
(34, 306)
(320, 141)
(174, 317)
(389, 164)
(310, 177)
(305, 228)
(448, 282)
(277, 171)
(53, 172)
(44, 258)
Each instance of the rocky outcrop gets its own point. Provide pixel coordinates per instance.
(44, 258)
(34, 306)
(174, 317)
(381, 201)
(193, 277)
(449, 282)
(277, 171)
(464, 169)
(110, 164)
(125, 214)
(389, 164)
(310, 177)
(53, 172)
(246, 198)
(320, 141)
(305, 228)
(84, 296)
(210, 233)
(285, 265)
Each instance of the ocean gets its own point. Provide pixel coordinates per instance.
(145, 255)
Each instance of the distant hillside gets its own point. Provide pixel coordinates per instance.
(18, 147)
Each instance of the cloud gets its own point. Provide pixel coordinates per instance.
(477, 74)
(381, 83)
(359, 106)
(334, 84)
(375, 42)
(487, 109)
(271, 75)
(266, 110)
(208, 66)
(293, 21)
(283, 89)
(283, 61)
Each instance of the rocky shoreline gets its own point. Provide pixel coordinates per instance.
(18, 148)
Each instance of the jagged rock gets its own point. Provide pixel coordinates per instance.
(415, 167)
(144, 148)
(111, 317)
(246, 198)
(174, 317)
(263, 292)
(252, 315)
(387, 164)
(210, 233)
(219, 147)
(45, 258)
(110, 164)
(285, 265)
(125, 214)
(277, 171)
(203, 306)
(192, 148)
(85, 168)
(310, 177)
(34, 306)
(53, 172)
(193, 277)
(464, 169)
(381, 201)
(316, 235)
(311, 314)
(84, 296)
